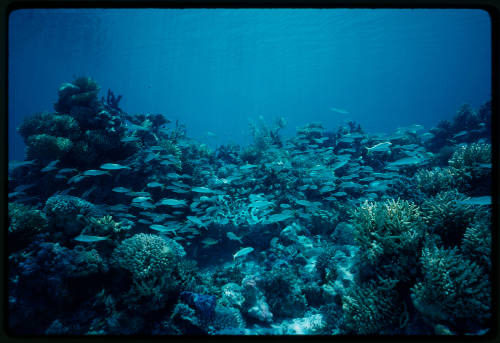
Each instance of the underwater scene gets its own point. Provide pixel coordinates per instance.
(249, 172)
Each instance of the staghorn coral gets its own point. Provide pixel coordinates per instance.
(373, 308)
(437, 180)
(384, 230)
(476, 241)
(45, 147)
(452, 288)
(446, 216)
(467, 159)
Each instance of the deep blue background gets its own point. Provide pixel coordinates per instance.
(215, 69)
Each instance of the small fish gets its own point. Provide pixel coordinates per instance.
(233, 237)
(141, 199)
(16, 194)
(22, 188)
(320, 140)
(151, 156)
(173, 176)
(154, 184)
(121, 190)
(460, 134)
(407, 161)
(481, 201)
(338, 165)
(304, 202)
(66, 170)
(144, 221)
(17, 164)
(326, 189)
(384, 146)
(279, 217)
(93, 172)
(243, 252)
(113, 166)
(261, 204)
(195, 220)
(129, 139)
(248, 166)
(142, 194)
(167, 163)
(201, 190)
(339, 194)
(163, 228)
(144, 205)
(51, 166)
(89, 238)
(338, 110)
(171, 202)
(177, 189)
(209, 241)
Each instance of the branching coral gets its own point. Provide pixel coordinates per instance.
(468, 159)
(373, 307)
(447, 216)
(393, 228)
(437, 180)
(453, 287)
(476, 241)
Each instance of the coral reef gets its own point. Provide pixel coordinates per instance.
(122, 224)
(453, 289)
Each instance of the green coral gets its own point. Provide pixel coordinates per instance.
(24, 223)
(145, 256)
(389, 230)
(476, 241)
(437, 180)
(452, 288)
(49, 123)
(468, 158)
(373, 307)
(447, 216)
(45, 147)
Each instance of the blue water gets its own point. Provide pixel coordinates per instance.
(216, 69)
